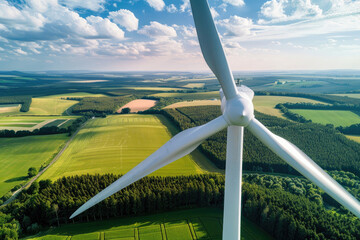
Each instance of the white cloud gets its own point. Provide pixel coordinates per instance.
(20, 51)
(171, 8)
(1, 49)
(158, 5)
(237, 26)
(287, 10)
(93, 5)
(214, 13)
(237, 3)
(186, 31)
(156, 30)
(105, 28)
(125, 18)
(185, 6)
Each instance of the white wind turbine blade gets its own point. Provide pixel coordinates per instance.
(307, 167)
(179, 146)
(211, 47)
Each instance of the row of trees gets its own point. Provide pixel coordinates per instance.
(351, 130)
(283, 214)
(323, 144)
(319, 106)
(25, 102)
(291, 115)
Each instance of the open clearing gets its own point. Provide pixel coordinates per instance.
(354, 138)
(139, 105)
(75, 95)
(350, 95)
(190, 224)
(6, 108)
(264, 104)
(194, 103)
(190, 96)
(17, 155)
(160, 89)
(335, 117)
(194, 85)
(118, 143)
(44, 106)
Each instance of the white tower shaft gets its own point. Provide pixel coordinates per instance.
(233, 175)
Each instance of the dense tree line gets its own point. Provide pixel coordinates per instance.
(351, 130)
(9, 227)
(323, 144)
(291, 115)
(45, 130)
(285, 215)
(319, 106)
(23, 100)
(100, 105)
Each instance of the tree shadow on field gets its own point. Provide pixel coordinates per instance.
(16, 179)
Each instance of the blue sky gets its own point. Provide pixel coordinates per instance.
(158, 35)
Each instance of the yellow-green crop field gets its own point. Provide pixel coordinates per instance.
(17, 155)
(264, 104)
(17, 122)
(75, 95)
(190, 224)
(335, 117)
(44, 106)
(118, 143)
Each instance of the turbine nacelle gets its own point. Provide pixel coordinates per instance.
(238, 111)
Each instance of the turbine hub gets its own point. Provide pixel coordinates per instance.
(239, 111)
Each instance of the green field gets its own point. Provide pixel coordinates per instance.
(44, 106)
(17, 155)
(335, 117)
(75, 95)
(264, 104)
(118, 143)
(350, 95)
(17, 122)
(188, 224)
(190, 96)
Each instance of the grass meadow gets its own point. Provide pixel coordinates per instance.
(264, 104)
(17, 155)
(335, 117)
(43, 106)
(118, 143)
(190, 224)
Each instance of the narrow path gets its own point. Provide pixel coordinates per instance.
(28, 184)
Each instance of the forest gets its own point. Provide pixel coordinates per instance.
(100, 105)
(324, 144)
(351, 130)
(284, 214)
(23, 100)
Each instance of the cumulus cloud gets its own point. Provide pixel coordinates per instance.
(93, 5)
(286, 10)
(158, 5)
(105, 28)
(156, 30)
(237, 3)
(48, 20)
(237, 26)
(185, 6)
(171, 8)
(125, 18)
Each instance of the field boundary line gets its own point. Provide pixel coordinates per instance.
(28, 184)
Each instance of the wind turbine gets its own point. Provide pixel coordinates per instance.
(237, 113)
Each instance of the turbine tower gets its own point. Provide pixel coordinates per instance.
(237, 113)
